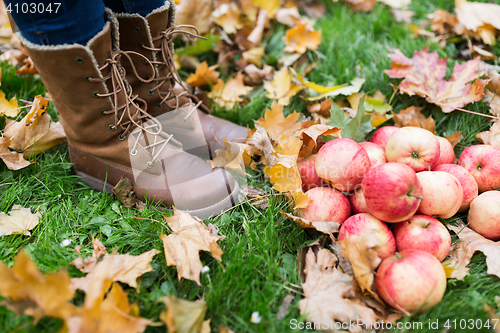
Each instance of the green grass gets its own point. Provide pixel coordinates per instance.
(260, 249)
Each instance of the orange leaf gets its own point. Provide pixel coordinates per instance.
(204, 75)
(301, 38)
(424, 75)
(454, 138)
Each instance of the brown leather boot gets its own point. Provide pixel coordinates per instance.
(111, 135)
(152, 37)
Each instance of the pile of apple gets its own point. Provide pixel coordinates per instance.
(407, 177)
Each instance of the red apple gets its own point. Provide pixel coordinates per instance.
(469, 185)
(446, 152)
(484, 215)
(392, 192)
(358, 203)
(381, 135)
(413, 146)
(483, 163)
(326, 204)
(343, 163)
(442, 194)
(411, 281)
(376, 153)
(422, 232)
(360, 223)
(308, 175)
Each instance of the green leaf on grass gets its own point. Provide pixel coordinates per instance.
(355, 128)
(201, 46)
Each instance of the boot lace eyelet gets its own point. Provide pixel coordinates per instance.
(95, 94)
(137, 29)
(150, 93)
(79, 60)
(144, 60)
(103, 111)
(158, 105)
(149, 164)
(121, 137)
(88, 77)
(133, 152)
(112, 128)
(185, 120)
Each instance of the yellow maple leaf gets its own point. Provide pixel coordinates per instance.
(281, 87)
(185, 316)
(269, 5)
(182, 246)
(30, 292)
(253, 56)
(229, 93)
(195, 12)
(228, 17)
(8, 108)
(19, 221)
(203, 76)
(276, 124)
(12, 159)
(301, 38)
(231, 157)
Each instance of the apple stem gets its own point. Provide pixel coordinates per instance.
(416, 196)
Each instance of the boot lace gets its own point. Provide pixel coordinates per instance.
(167, 59)
(131, 115)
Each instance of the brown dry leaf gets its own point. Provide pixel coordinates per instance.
(281, 87)
(18, 221)
(204, 75)
(256, 197)
(491, 137)
(124, 268)
(328, 292)
(288, 16)
(413, 116)
(454, 138)
(228, 94)
(12, 159)
(323, 108)
(28, 291)
(224, 329)
(112, 314)
(195, 12)
(8, 108)
(470, 242)
(36, 132)
(363, 258)
(228, 17)
(183, 245)
(123, 192)
(444, 23)
(311, 134)
(231, 157)
(301, 38)
(185, 316)
(326, 227)
(256, 75)
(276, 124)
(87, 265)
(424, 75)
(479, 17)
(361, 5)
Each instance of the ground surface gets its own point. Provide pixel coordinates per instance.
(260, 249)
